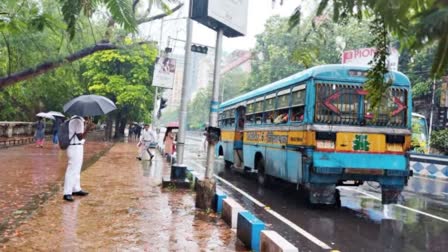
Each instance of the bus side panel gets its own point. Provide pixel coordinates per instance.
(276, 162)
(249, 155)
(228, 150)
(293, 166)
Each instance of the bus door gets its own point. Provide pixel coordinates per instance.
(240, 117)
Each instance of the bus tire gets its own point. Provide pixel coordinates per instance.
(227, 165)
(262, 178)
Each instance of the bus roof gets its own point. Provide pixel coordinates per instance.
(336, 72)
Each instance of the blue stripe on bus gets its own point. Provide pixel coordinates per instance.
(359, 160)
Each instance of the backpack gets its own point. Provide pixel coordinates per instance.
(63, 135)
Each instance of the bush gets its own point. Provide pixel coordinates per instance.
(439, 140)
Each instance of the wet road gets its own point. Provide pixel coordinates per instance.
(30, 175)
(418, 223)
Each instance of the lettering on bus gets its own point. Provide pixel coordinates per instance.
(276, 139)
(296, 139)
(254, 136)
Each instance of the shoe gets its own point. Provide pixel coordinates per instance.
(80, 193)
(139, 158)
(68, 197)
(152, 156)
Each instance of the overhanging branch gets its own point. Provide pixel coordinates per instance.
(149, 19)
(50, 65)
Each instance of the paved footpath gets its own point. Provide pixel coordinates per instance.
(125, 210)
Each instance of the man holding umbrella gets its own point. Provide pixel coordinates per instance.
(85, 105)
(75, 153)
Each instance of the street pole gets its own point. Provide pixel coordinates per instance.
(431, 114)
(206, 188)
(185, 85)
(213, 121)
(156, 93)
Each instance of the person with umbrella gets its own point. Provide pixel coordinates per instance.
(40, 133)
(85, 105)
(58, 119)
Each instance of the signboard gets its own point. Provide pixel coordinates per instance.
(228, 15)
(164, 71)
(362, 57)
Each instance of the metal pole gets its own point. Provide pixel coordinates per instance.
(431, 114)
(214, 104)
(157, 88)
(185, 85)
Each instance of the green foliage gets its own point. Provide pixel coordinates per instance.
(199, 108)
(281, 51)
(439, 140)
(232, 83)
(123, 77)
(416, 23)
(121, 10)
(376, 84)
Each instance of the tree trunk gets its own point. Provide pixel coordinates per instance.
(108, 131)
(205, 193)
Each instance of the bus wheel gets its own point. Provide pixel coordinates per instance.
(262, 178)
(337, 197)
(227, 165)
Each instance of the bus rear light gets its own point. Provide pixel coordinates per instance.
(394, 147)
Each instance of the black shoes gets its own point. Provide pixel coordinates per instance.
(139, 158)
(80, 193)
(152, 156)
(68, 197)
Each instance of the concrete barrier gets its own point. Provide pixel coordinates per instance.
(218, 202)
(248, 230)
(230, 210)
(271, 241)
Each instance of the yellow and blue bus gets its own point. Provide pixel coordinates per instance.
(419, 142)
(316, 129)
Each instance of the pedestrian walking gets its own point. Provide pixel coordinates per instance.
(40, 133)
(137, 131)
(147, 137)
(56, 123)
(168, 141)
(75, 153)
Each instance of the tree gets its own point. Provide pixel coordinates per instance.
(34, 17)
(415, 22)
(201, 107)
(439, 140)
(280, 51)
(232, 83)
(124, 77)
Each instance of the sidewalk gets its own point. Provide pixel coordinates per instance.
(30, 175)
(125, 210)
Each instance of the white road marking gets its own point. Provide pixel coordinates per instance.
(292, 225)
(258, 203)
(397, 205)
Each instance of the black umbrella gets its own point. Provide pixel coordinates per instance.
(89, 105)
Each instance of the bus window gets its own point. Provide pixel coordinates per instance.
(269, 114)
(298, 97)
(297, 113)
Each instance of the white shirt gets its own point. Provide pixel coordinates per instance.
(148, 136)
(76, 126)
